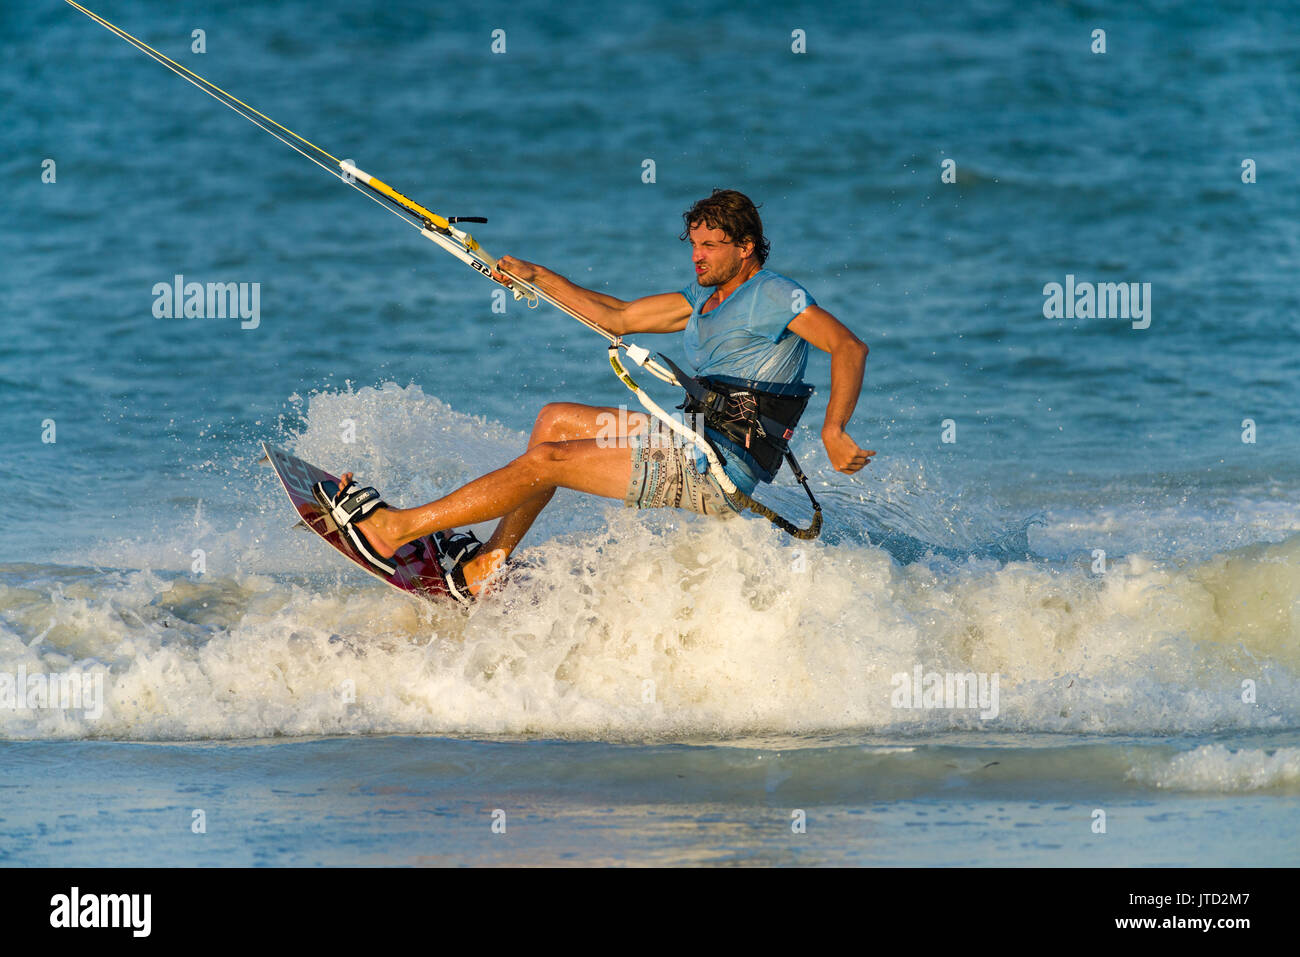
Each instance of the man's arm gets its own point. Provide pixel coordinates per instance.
(848, 359)
(667, 312)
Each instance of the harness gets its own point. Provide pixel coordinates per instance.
(756, 421)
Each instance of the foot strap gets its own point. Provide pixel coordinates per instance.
(347, 507)
(455, 549)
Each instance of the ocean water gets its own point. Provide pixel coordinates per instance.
(1104, 518)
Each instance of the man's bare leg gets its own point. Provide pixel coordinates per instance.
(518, 491)
(557, 422)
(586, 465)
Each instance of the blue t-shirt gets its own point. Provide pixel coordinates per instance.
(747, 337)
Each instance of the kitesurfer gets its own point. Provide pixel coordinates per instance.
(747, 332)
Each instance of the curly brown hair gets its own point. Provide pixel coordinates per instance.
(735, 214)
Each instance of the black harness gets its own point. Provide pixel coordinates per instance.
(759, 421)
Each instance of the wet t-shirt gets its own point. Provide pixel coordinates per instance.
(747, 337)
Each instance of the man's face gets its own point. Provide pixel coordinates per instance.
(717, 259)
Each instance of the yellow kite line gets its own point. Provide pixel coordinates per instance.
(464, 247)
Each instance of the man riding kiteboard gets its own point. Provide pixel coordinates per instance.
(748, 339)
(747, 332)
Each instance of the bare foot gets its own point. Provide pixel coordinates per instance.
(480, 569)
(378, 526)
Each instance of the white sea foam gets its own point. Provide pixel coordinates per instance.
(1215, 767)
(633, 624)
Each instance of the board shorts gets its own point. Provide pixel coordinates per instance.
(664, 476)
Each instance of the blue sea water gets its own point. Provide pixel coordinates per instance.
(1157, 680)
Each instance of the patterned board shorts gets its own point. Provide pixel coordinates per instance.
(664, 476)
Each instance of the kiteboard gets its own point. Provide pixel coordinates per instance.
(418, 570)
